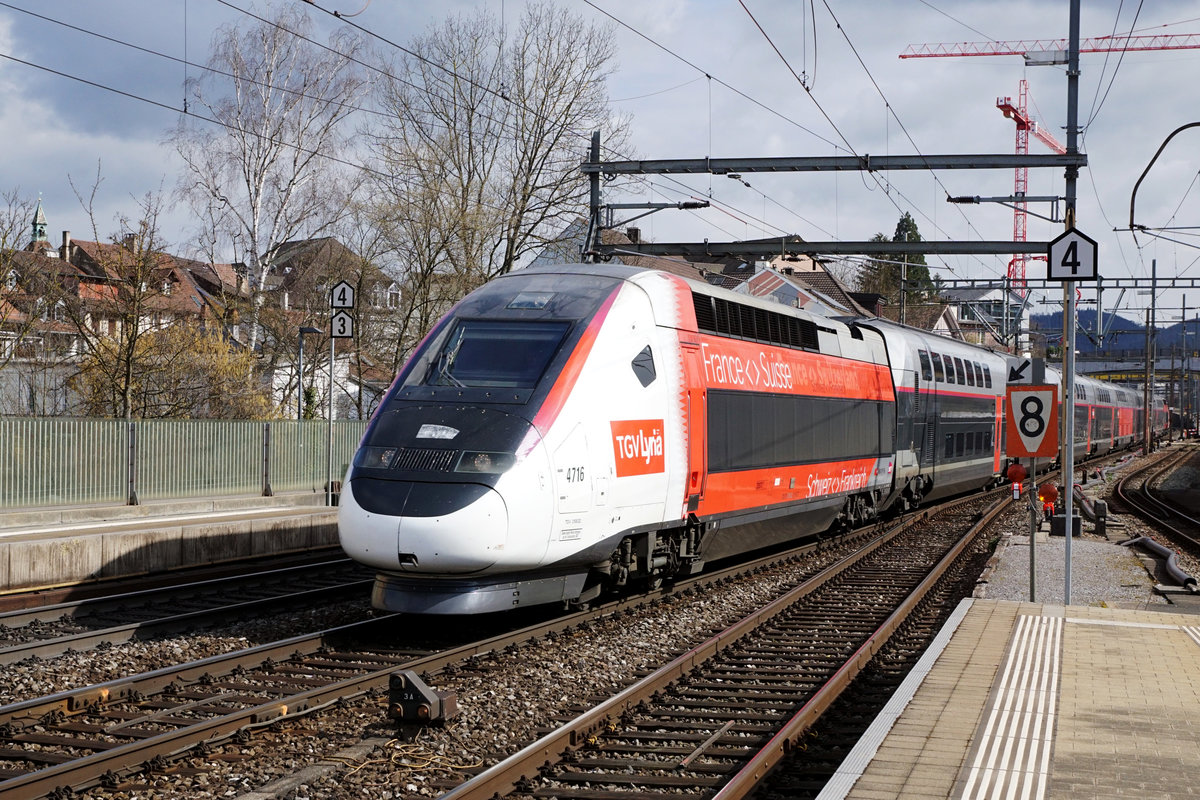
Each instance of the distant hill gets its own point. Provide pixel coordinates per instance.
(1123, 334)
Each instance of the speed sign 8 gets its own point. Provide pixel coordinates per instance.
(1032, 421)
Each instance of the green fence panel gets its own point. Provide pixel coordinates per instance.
(56, 461)
(62, 461)
(197, 458)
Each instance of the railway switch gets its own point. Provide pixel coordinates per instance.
(412, 702)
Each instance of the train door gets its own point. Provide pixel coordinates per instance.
(997, 435)
(696, 421)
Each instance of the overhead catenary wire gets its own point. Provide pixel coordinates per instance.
(206, 68)
(581, 134)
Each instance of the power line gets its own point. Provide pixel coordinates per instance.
(708, 74)
(582, 135)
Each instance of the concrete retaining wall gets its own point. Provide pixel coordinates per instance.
(50, 559)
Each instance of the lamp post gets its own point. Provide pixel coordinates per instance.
(300, 372)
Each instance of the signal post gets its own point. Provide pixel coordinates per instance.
(1031, 422)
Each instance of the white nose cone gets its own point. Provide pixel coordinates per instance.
(456, 543)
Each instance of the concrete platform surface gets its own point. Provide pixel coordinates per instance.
(56, 547)
(1026, 700)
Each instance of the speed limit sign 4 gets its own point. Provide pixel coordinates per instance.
(1032, 421)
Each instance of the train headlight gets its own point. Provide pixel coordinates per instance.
(374, 457)
(494, 463)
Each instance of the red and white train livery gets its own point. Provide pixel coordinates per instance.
(572, 428)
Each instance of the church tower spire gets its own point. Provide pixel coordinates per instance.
(39, 225)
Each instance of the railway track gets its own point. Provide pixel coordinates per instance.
(100, 735)
(1175, 545)
(718, 718)
(47, 631)
(1136, 491)
(94, 735)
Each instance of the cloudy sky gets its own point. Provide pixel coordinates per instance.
(698, 78)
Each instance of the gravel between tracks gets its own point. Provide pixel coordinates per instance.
(501, 709)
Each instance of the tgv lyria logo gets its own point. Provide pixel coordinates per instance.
(638, 446)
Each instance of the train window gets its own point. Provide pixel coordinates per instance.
(987, 376)
(496, 353)
(926, 369)
(949, 445)
(959, 447)
(959, 372)
(949, 370)
(978, 373)
(643, 366)
(970, 374)
(937, 367)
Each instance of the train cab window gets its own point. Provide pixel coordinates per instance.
(937, 367)
(987, 376)
(496, 353)
(926, 369)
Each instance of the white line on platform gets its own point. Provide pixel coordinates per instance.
(133, 522)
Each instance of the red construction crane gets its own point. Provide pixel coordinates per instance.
(1041, 51)
(1026, 125)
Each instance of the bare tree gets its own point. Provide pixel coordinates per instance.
(115, 311)
(481, 153)
(271, 173)
(36, 345)
(16, 214)
(488, 131)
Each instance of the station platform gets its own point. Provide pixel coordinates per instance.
(66, 546)
(1030, 700)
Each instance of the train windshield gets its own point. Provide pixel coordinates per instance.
(508, 354)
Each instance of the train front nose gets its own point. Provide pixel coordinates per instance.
(423, 528)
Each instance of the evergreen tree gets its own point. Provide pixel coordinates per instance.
(883, 274)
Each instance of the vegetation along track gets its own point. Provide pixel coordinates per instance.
(718, 718)
(51, 630)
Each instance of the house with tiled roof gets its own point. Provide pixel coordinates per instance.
(56, 296)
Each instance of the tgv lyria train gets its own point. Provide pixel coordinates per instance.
(570, 429)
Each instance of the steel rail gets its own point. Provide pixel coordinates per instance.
(124, 758)
(90, 770)
(1154, 509)
(116, 634)
(99, 604)
(506, 776)
(783, 742)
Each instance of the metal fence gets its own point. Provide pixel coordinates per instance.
(54, 461)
